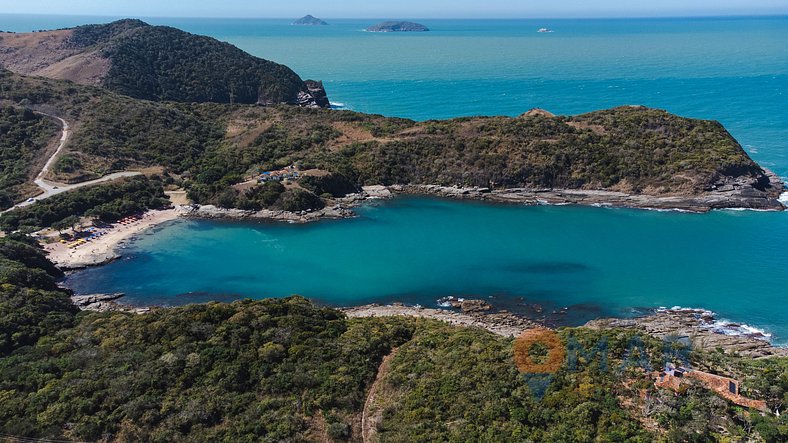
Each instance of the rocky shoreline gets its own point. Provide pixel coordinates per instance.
(105, 303)
(501, 323)
(700, 327)
(741, 194)
(340, 209)
(736, 194)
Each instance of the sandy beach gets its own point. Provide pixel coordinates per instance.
(103, 249)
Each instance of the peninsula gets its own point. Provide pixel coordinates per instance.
(225, 154)
(393, 26)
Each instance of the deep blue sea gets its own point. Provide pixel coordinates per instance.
(594, 261)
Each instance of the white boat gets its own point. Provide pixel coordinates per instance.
(544, 30)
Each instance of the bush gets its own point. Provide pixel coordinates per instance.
(295, 200)
(108, 202)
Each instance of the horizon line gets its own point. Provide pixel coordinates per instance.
(601, 17)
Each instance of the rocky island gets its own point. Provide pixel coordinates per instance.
(309, 20)
(393, 26)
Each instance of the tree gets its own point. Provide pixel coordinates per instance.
(68, 222)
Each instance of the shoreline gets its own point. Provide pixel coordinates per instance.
(741, 198)
(738, 195)
(695, 323)
(103, 250)
(702, 328)
(501, 323)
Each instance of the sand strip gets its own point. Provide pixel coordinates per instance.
(103, 249)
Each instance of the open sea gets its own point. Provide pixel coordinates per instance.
(593, 261)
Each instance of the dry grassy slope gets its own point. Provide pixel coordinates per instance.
(49, 54)
(156, 63)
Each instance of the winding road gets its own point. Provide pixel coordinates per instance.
(51, 188)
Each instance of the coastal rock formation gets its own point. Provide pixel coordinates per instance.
(210, 211)
(700, 327)
(743, 194)
(393, 26)
(104, 303)
(156, 63)
(309, 20)
(501, 323)
(467, 306)
(315, 96)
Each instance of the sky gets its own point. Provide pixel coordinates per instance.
(396, 8)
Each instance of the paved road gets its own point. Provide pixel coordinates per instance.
(51, 188)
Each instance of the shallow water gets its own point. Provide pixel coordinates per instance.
(593, 261)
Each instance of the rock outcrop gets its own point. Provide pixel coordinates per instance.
(104, 303)
(315, 95)
(700, 327)
(738, 193)
(210, 211)
(502, 323)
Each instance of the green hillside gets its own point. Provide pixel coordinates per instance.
(209, 147)
(286, 370)
(24, 137)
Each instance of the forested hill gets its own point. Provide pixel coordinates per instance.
(284, 370)
(210, 148)
(156, 63)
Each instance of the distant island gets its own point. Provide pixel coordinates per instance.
(309, 20)
(398, 27)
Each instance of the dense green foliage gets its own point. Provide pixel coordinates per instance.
(162, 63)
(246, 371)
(449, 384)
(208, 148)
(286, 370)
(632, 149)
(90, 35)
(24, 136)
(336, 185)
(463, 386)
(114, 132)
(107, 202)
(31, 306)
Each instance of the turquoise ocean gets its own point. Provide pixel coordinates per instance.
(593, 261)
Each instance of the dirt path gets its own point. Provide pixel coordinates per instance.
(51, 188)
(370, 417)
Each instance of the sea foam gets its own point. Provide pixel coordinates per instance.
(783, 198)
(710, 321)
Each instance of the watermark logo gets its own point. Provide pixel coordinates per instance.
(540, 353)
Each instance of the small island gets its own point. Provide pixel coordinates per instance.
(398, 27)
(309, 20)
